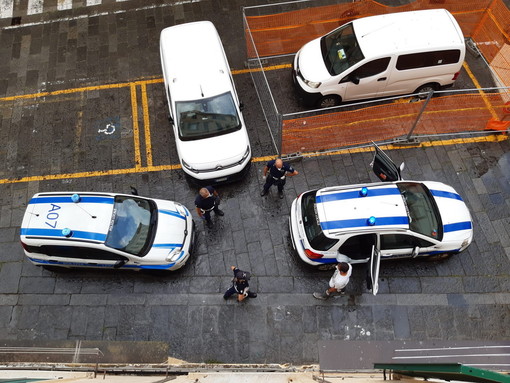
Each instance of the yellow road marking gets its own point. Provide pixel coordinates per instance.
(482, 93)
(136, 133)
(272, 67)
(159, 168)
(151, 168)
(146, 125)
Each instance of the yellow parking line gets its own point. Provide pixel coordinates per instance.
(159, 168)
(65, 91)
(151, 168)
(482, 93)
(136, 134)
(272, 67)
(146, 124)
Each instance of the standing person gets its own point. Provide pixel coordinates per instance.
(208, 200)
(277, 170)
(338, 281)
(240, 285)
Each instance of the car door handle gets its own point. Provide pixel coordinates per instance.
(381, 79)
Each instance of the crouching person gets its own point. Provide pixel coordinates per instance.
(240, 285)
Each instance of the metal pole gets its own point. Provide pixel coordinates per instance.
(429, 96)
(280, 133)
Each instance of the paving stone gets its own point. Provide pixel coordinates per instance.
(383, 322)
(405, 285)
(32, 285)
(9, 277)
(442, 285)
(485, 224)
(480, 285)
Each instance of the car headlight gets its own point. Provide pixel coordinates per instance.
(246, 154)
(173, 255)
(189, 167)
(312, 84)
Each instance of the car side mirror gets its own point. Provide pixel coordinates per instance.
(355, 79)
(416, 251)
(241, 106)
(171, 120)
(134, 191)
(120, 263)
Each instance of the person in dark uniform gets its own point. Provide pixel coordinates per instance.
(277, 170)
(240, 285)
(208, 200)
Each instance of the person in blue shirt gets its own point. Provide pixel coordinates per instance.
(275, 172)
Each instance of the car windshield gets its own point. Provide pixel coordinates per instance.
(422, 210)
(340, 50)
(207, 117)
(132, 226)
(313, 230)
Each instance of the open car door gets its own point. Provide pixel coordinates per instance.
(383, 166)
(373, 272)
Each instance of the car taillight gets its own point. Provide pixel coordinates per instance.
(25, 247)
(312, 255)
(455, 76)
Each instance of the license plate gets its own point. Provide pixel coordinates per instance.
(221, 179)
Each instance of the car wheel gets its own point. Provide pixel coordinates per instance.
(424, 90)
(329, 101)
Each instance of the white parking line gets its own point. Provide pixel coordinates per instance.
(35, 7)
(6, 8)
(62, 5)
(154, 6)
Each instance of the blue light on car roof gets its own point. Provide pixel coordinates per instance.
(67, 232)
(75, 198)
(371, 221)
(363, 192)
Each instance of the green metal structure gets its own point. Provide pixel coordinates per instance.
(445, 371)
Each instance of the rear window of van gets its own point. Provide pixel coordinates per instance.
(428, 59)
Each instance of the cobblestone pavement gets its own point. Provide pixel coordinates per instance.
(465, 297)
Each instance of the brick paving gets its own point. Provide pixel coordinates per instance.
(465, 297)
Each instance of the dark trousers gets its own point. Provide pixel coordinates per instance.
(232, 291)
(270, 181)
(207, 214)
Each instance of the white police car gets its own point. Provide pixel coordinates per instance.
(374, 221)
(105, 230)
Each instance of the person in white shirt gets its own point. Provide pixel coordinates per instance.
(338, 281)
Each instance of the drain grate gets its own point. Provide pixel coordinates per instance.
(16, 21)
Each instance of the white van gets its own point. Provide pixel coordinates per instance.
(210, 133)
(379, 56)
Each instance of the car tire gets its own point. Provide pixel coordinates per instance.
(424, 90)
(329, 101)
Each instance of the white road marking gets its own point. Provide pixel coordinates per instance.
(35, 7)
(97, 14)
(62, 5)
(6, 8)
